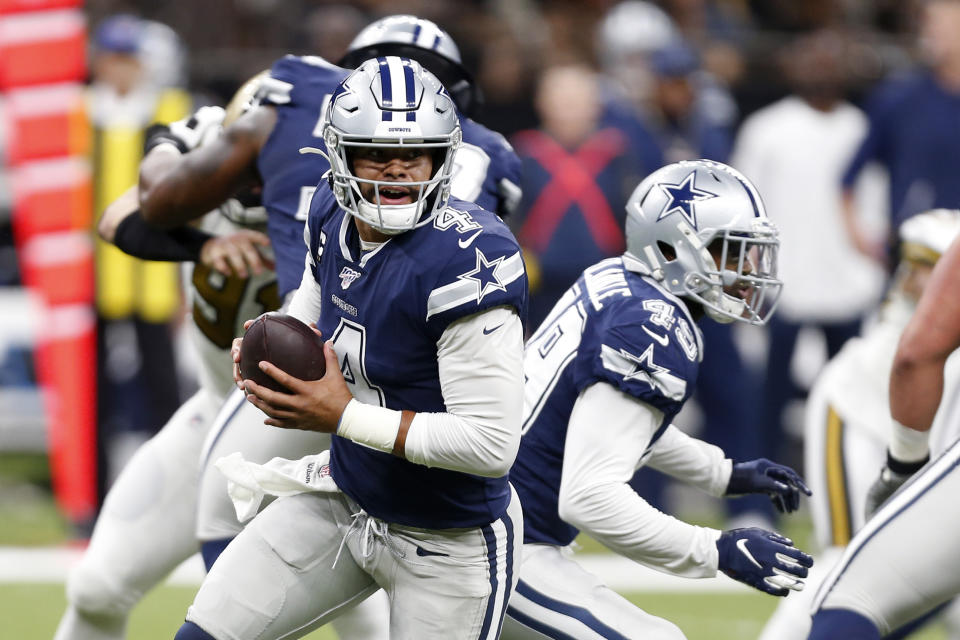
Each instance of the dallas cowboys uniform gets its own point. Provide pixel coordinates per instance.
(152, 504)
(486, 172)
(606, 373)
(428, 321)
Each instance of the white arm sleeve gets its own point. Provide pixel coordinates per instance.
(481, 375)
(305, 302)
(690, 460)
(606, 438)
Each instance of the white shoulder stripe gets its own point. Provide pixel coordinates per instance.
(469, 288)
(642, 367)
(276, 91)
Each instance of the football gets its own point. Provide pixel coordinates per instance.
(285, 342)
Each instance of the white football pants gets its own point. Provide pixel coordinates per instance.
(144, 530)
(306, 558)
(904, 561)
(556, 598)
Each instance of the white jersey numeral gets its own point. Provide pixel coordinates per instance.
(470, 166)
(303, 207)
(549, 352)
(350, 343)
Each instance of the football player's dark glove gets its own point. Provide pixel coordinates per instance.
(780, 482)
(764, 560)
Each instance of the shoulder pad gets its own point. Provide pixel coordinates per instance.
(483, 267)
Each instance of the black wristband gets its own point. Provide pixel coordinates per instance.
(137, 238)
(158, 134)
(905, 468)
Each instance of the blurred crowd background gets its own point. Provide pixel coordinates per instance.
(845, 113)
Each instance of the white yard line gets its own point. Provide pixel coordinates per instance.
(51, 564)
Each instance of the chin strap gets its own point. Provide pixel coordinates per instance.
(319, 152)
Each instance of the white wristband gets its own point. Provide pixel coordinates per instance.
(909, 445)
(369, 425)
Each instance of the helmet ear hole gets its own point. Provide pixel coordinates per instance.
(669, 253)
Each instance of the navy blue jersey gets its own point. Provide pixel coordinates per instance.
(486, 169)
(915, 133)
(611, 326)
(298, 88)
(385, 310)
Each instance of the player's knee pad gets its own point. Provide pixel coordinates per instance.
(190, 631)
(93, 593)
(211, 550)
(830, 624)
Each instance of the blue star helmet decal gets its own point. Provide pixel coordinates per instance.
(682, 198)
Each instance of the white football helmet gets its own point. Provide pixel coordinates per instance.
(926, 236)
(421, 40)
(391, 102)
(683, 215)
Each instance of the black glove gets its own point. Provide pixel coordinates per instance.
(764, 560)
(780, 482)
(892, 477)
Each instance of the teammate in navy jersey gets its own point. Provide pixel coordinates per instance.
(606, 373)
(265, 146)
(134, 554)
(421, 300)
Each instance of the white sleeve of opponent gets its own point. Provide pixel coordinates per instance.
(690, 460)
(305, 302)
(481, 375)
(606, 439)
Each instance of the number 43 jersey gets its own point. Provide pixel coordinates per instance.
(385, 310)
(612, 326)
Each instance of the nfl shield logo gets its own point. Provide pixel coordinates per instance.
(347, 276)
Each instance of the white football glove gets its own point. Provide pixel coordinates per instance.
(205, 123)
(187, 134)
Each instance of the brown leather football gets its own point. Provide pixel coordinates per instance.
(285, 342)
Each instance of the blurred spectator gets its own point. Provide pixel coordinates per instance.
(577, 175)
(506, 82)
(715, 29)
(627, 35)
(136, 69)
(692, 115)
(915, 130)
(795, 151)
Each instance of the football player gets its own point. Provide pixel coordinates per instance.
(147, 524)
(266, 143)
(606, 373)
(421, 299)
(134, 557)
(902, 563)
(848, 414)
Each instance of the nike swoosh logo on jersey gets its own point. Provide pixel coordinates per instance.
(663, 340)
(423, 553)
(466, 243)
(487, 332)
(742, 545)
